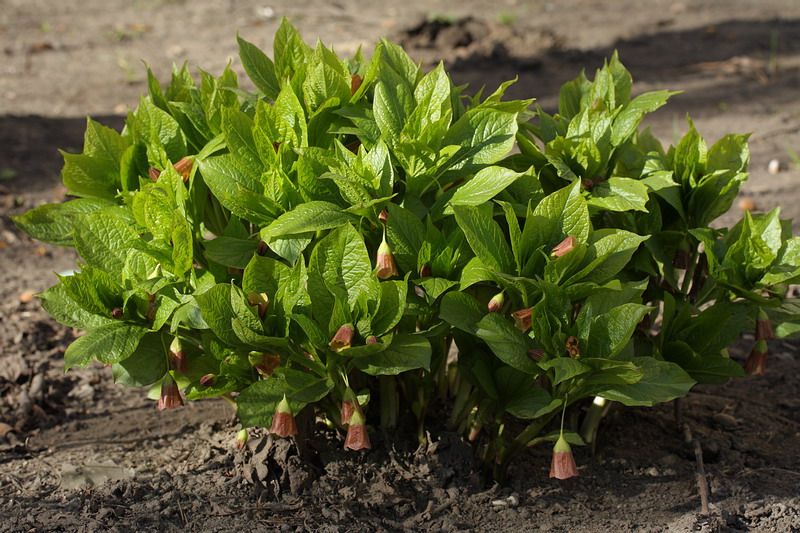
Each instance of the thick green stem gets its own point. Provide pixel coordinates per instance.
(519, 444)
(389, 402)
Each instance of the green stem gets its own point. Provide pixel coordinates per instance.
(519, 444)
(389, 403)
(689, 274)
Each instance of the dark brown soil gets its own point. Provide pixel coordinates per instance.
(78, 453)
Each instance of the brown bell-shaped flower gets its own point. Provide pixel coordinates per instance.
(208, 380)
(283, 424)
(564, 247)
(523, 319)
(756, 362)
(563, 464)
(572, 346)
(425, 271)
(372, 339)
(385, 262)
(357, 437)
(355, 83)
(763, 327)
(170, 395)
(260, 300)
(343, 338)
(184, 168)
(265, 363)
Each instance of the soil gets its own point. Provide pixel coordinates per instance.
(80, 454)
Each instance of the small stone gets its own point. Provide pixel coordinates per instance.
(746, 204)
(26, 296)
(653, 472)
(774, 167)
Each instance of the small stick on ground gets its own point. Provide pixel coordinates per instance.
(702, 481)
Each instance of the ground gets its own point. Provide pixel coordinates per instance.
(61, 435)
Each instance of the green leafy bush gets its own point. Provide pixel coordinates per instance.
(323, 242)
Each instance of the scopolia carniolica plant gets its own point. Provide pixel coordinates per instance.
(354, 239)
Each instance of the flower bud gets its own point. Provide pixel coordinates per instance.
(154, 173)
(283, 424)
(117, 312)
(425, 271)
(372, 339)
(572, 347)
(208, 380)
(184, 168)
(757, 360)
(496, 303)
(343, 338)
(385, 261)
(383, 216)
(170, 395)
(563, 464)
(262, 248)
(241, 439)
(355, 83)
(763, 326)
(536, 355)
(260, 300)
(177, 357)
(564, 247)
(523, 319)
(357, 437)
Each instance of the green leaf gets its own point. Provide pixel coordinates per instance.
(711, 368)
(461, 310)
(565, 368)
(391, 307)
(289, 49)
(507, 342)
(406, 352)
(532, 404)
(389, 108)
(620, 194)
(483, 186)
(264, 274)
(483, 135)
(628, 119)
(310, 216)
(227, 251)
(53, 223)
(610, 253)
(611, 331)
(146, 365)
(103, 240)
(485, 238)
(558, 216)
(662, 381)
(404, 232)
(110, 343)
(238, 190)
(259, 68)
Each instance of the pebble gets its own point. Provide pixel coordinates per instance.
(746, 204)
(774, 167)
(26, 296)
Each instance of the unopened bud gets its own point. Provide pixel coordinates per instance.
(383, 216)
(177, 357)
(756, 362)
(763, 326)
(283, 423)
(208, 380)
(170, 395)
(372, 339)
(355, 83)
(241, 438)
(564, 247)
(117, 313)
(425, 271)
(154, 173)
(265, 363)
(496, 303)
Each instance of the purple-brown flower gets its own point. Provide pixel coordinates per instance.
(563, 464)
(564, 247)
(177, 357)
(170, 395)
(260, 300)
(343, 338)
(523, 319)
(756, 362)
(572, 347)
(283, 424)
(385, 262)
(266, 363)
(763, 327)
(357, 437)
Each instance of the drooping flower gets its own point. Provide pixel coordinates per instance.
(170, 395)
(355, 83)
(184, 168)
(572, 347)
(523, 319)
(117, 312)
(283, 424)
(425, 271)
(385, 262)
(563, 464)
(536, 355)
(208, 380)
(496, 303)
(763, 327)
(260, 300)
(357, 437)
(265, 363)
(343, 338)
(564, 247)
(372, 339)
(756, 362)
